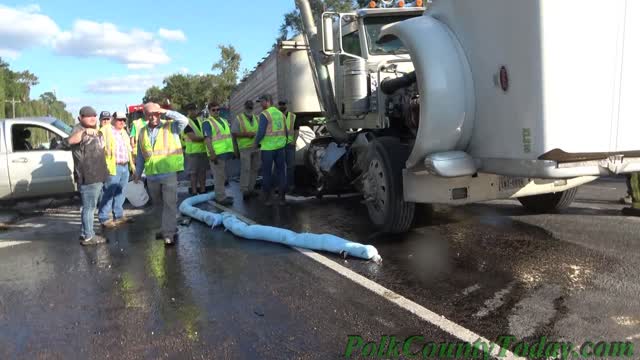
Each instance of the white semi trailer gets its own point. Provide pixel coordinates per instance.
(466, 100)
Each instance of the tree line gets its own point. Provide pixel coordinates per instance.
(16, 86)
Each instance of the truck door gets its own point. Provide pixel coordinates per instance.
(38, 166)
(5, 187)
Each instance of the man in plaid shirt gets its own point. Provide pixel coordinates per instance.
(120, 163)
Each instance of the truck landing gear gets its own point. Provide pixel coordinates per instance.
(382, 186)
(545, 203)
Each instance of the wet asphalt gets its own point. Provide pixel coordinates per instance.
(491, 267)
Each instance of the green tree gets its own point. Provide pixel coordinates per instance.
(227, 78)
(17, 85)
(182, 89)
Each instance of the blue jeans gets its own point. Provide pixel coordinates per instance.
(290, 159)
(89, 195)
(269, 157)
(113, 195)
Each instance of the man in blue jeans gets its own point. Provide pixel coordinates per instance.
(90, 169)
(117, 152)
(290, 148)
(271, 140)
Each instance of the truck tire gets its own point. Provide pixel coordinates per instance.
(545, 203)
(387, 209)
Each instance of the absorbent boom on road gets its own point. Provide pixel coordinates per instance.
(322, 242)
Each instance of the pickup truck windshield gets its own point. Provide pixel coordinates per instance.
(62, 126)
(373, 26)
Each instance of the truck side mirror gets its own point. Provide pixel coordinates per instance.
(327, 33)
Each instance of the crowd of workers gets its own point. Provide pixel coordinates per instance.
(158, 146)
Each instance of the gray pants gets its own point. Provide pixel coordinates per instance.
(164, 195)
(249, 166)
(219, 176)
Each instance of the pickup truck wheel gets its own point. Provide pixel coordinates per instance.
(545, 203)
(383, 186)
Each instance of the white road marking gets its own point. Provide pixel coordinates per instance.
(494, 303)
(4, 244)
(425, 314)
(470, 289)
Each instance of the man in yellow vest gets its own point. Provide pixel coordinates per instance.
(136, 125)
(219, 142)
(160, 156)
(244, 131)
(290, 148)
(271, 140)
(196, 159)
(105, 119)
(117, 151)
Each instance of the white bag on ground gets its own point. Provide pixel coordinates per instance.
(136, 193)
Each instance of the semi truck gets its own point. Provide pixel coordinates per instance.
(461, 101)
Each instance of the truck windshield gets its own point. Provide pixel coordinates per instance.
(62, 126)
(373, 26)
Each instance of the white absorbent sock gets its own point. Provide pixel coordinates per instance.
(321, 242)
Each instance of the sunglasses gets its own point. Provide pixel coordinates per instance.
(216, 109)
(121, 119)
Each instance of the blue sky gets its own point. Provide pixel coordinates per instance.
(105, 54)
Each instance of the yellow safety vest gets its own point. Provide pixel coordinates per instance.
(191, 146)
(221, 139)
(136, 126)
(291, 121)
(246, 126)
(165, 156)
(110, 148)
(276, 136)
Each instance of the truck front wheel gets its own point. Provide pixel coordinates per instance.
(383, 186)
(545, 203)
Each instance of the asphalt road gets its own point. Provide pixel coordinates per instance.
(490, 268)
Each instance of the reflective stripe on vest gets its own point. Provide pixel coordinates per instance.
(165, 156)
(275, 136)
(110, 147)
(137, 125)
(290, 122)
(246, 126)
(221, 139)
(195, 147)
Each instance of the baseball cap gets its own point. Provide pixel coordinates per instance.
(87, 111)
(283, 102)
(265, 97)
(105, 115)
(119, 115)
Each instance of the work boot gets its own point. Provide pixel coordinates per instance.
(124, 220)
(95, 240)
(227, 201)
(626, 200)
(109, 224)
(170, 240)
(266, 199)
(631, 211)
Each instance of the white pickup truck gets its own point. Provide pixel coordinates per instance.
(33, 161)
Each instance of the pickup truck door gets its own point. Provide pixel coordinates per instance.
(5, 185)
(35, 169)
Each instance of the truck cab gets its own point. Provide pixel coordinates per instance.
(358, 58)
(34, 162)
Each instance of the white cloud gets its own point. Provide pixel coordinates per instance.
(184, 70)
(24, 27)
(138, 49)
(124, 84)
(175, 35)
